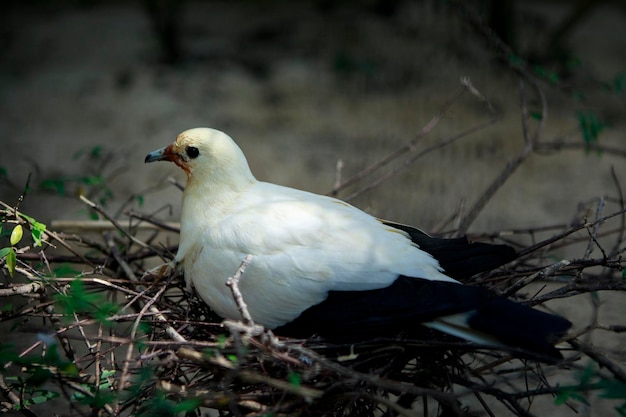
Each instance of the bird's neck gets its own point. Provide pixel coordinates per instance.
(211, 199)
(204, 206)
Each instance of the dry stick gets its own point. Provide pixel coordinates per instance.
(600, 358)
(558, 145)
(618, 242)
(75, 226)
(545, 272)
(506, 173)
(409, 147)
(33, 287)
(95, 260)
(169, 330)
(576, 288)
(505, 53)
(99, 209)
(131, 345)
(233, 283)
(560, 236)
(156, 223)
(442, 143)
(12, 397)
(594, 232)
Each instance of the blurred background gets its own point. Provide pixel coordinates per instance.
(87, 88)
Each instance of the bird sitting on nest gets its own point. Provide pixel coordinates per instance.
(321, 266)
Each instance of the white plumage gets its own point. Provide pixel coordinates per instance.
(304, 246)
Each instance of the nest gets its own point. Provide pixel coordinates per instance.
(118, 340)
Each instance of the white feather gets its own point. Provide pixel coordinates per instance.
(303, 244)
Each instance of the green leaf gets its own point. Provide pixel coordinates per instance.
(567, 394)
(37, 232)
(590, 125)
(56, 185)
(77, 299)
(11, 261)
(4, 251)
(16, 234)
(619, 86)
(65, 270)
(92, 180)
(222, 339)
(612, 389)
(96, 151)
(295, 379)
(105, 311)
(43, 396)
(551, 76)
(516, 60)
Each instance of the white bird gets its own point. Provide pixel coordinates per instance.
(321, 266)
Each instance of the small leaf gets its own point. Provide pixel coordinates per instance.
(16, 234)
(295, 379)
(65, 270)
(37, 232)
(44, 396)
(96, 151)
(57, 186)
(11, 261)
(92, 180)
(612, 389)
(5, 251)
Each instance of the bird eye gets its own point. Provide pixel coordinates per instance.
(192, 152)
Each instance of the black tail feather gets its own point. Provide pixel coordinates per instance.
(459, 257)
(400, 308)
(519, 326)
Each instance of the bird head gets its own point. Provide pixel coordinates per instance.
(207, 156)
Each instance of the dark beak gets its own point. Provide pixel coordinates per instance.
(163, 154)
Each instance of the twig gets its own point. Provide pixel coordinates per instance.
(99, 209)
(508, 170)
(233, 283)
(78, 226)
(622, 229)
(33, 287)
(566, 233)
(545, 272)
(410, 146)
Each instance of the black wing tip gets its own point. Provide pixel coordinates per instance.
(517, 325)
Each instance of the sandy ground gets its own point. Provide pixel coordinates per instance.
(300, 88)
